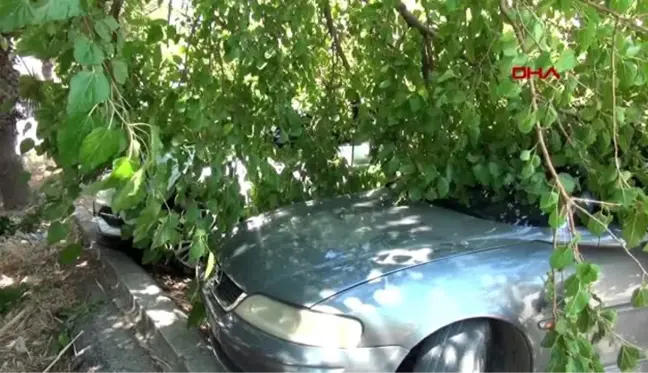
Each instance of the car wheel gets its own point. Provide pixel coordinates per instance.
(181, 256)
(460, 347)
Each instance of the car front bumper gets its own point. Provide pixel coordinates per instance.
(241, 347)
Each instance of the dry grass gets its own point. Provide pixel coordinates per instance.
(30, 329)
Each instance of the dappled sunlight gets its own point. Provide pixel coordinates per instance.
(163, 318)
(389, 296)
(149, 290)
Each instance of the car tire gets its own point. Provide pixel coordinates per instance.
(459, 347)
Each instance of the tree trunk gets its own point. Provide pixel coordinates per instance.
(14, 189)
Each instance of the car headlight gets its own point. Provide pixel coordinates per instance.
(300, 325)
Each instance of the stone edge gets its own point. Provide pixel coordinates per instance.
(161, 323)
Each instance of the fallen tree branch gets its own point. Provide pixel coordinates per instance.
(412, 21)
(116, 8)
(334, 35)
(58, 357)
(619, 17)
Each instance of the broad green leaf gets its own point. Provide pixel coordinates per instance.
(209, 267)
(131, 194)
(556, 219)
(588, 272)
(99, 146)
(70, 253)
(566, 61)
(634, 227)
(640, 297)
(57, 232)
(526, 121)
(198, 249)
(628, 357)
(70, 136)
(443, 187)
(123, 168)
(120, 71)
(87, 52)
(196, 315)
(448, 74)
(621, 6)
(548, 201)
(15, 14)
(599, 223)
(525, 155)
(60, 10)
(26, 145)
(579, 302)
(87, 89)
(561, 257)
(567, 182)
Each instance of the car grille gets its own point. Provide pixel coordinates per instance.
(111, 219)
(225, 290)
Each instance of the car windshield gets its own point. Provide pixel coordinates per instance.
(507, 210)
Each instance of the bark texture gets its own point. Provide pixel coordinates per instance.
(14, 190)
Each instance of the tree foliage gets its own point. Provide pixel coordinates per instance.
(427, 82)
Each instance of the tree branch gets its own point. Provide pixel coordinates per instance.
(334, 35)
(412, 21)
(628, 21)
(116, 8)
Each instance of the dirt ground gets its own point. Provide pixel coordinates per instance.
(38, 304)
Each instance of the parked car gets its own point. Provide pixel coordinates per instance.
(357, 283)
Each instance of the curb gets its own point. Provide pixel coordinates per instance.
(162, 325)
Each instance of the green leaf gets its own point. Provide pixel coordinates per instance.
(26, 145)
(443, 186)
(548, 201)
(610, 315)
(448, 74)
(60, 10)
(70, 253)
(87, 52)
(155, 34)
(197, 314)
(87, 89)
(556, 219)
(15, 14)
(566, 61)
(526, 121)
(131, 194)
(599, 223)
(198, 248)
(588, 272)
(640, 297)
(579, 302)
(567, 182)
(628, 357)
(525, 155)
(634, 227)
(209, 267)
(120, 71)
(99, 147)
(70, 136)
(561, 258)
(123, 168)
(621, 6)
(57, 232)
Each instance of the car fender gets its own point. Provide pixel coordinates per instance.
(404, 307)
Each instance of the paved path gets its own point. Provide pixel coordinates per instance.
(109, 342)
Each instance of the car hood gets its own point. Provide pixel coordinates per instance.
(304, 253)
